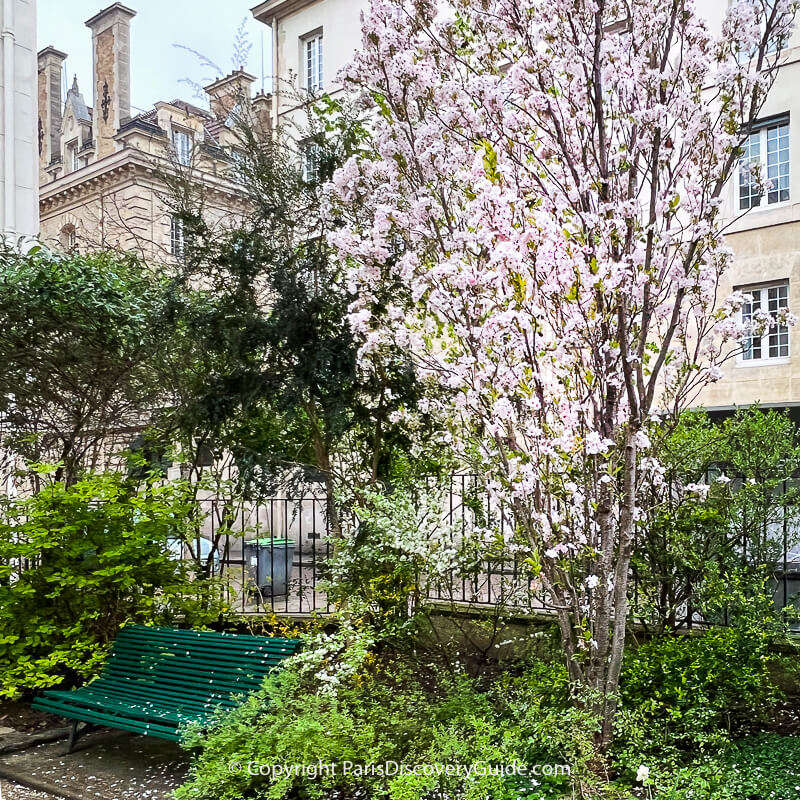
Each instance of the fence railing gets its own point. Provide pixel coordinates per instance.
(273, 554)
(273, 557)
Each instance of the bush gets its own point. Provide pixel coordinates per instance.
(763, 766)
(679, 694)
(731, 523)
(78, 563)
(394, 711)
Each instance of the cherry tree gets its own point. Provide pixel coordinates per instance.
(544, 183)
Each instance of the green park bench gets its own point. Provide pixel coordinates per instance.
(157, 679)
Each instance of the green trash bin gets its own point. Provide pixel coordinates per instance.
(270, 562)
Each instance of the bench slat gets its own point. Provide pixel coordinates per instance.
(148, 666)
(111, 720)
(226, 665)
(208, 639)
(200, 682)
(157, 679)
(155, 698)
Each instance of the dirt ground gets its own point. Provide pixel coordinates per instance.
(21, 717)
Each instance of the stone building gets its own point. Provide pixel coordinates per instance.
(18, 173)
(107, 178)
(764, 233)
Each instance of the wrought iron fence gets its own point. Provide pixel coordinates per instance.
(273, 557)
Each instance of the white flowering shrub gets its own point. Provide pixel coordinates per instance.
(398, 546)
(328, 659)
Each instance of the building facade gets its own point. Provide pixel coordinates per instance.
(313, 39)
(109, 179)
(19, 215)
(764, 233)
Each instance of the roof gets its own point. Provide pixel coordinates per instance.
(76, 102)
(271, 9)
(211, 124)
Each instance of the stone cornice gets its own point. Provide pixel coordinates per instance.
(124, 165)
(113, 12)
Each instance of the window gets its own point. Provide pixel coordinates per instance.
(182, 143)
(176, 238)
(69, 238)
(238, 165)
(764, 11)
(767, 146)
(312, 49)
(312, 161)
(73, 159)
(775, 342)
(778, 163)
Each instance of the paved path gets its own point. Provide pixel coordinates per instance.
(106, 765)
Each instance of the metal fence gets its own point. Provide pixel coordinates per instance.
(273, 556)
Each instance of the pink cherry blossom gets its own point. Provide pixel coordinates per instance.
(543, 184)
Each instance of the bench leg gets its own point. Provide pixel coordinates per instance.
(75, 734)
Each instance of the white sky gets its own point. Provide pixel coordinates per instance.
(208, 26)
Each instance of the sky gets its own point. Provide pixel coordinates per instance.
(157, 66)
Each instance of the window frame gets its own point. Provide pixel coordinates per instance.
(776, 337)
(769, 134)
(311, 154)
(73, 150)
(313, 70)
(69, 238)
(177, 237)
(183, 157)
(238, 160)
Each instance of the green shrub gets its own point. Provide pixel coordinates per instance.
(395, 711)
(763, 766)
(680, 693)
(95, 556)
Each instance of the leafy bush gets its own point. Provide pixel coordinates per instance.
(679, 693)
(397, 548)
(730, 522)
(394, 711)
(763, 766)
(76, 564)
(83, 338)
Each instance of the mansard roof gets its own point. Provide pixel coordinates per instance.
(211, 124)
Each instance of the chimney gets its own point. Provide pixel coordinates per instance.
(228, 92)
(262, 112)
(111, 88)
(51, 105)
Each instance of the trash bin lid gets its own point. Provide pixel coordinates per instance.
(269, 542)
